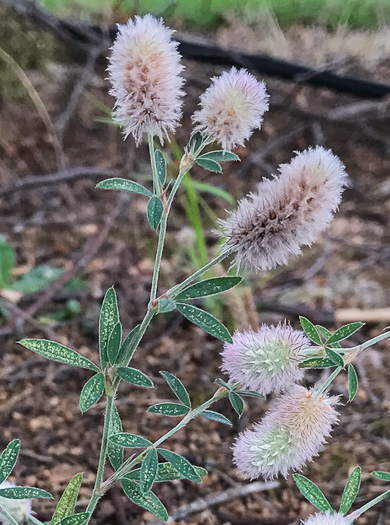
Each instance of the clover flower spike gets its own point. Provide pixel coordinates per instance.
(267, 360)
(287, 212)
(290, 434)
(232, 108)
(327, 519)
(144, 71)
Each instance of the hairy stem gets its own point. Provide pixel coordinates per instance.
(103, 455)
(321, 389)
(357, 513)
(156, 182)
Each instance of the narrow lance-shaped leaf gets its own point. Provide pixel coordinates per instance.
(109, 316)
(249, 393)
(195, 141)
(115, 452)
(335, 357)
(206, 321)
(380, 474)
(147, 500)
(312, 493)
(220, 155)
(57, 352)
(67, 503)
(8, 459)
(148, 470)
(161, 166)
(327, 334)
(24, 493)
(75, 519)
(352, 382)
(114, 343)
(169, 409)
(215, 416)
(126, 345)
(134, 377)
(351, 490)
(317, 362)
(344, 332)
(181, 464)
(123, 184)
(236, 402)
(208, 287)
(155, 212)
(165, 472)
(92, 391)
(177, 388)
(310, 330)
(209, 164)
(125, 439)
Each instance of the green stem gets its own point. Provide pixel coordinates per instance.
(370, 342)
(156, 182)
(103, 455)
(179, 287)
(321, 389)
(8, 516)
(357, 513)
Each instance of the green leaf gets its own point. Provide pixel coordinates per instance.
(352, 382)
(148, 470)
(67, 503)
(221, 382)
(92, 391)
(310, 330)
(169, 409)
(210, 165)
(380, 474)
(215, 416)
(249, 393)
(161, 166)
(123, 184)
(114, 343)
(208, 287)
(115, 452)
(344, 332)
(327, 333)
(155, 211)
(134, 377)
(129, 440)
(213, 190)
(181, 464)
(148, 500)
(75, 519)
(312, 493)
(195, 141)
(220, 155)
(127, 344)
(206, 321)
(165, 472)
(177, 388)
(237, 403)
(57, 352)
(166, 305)
(8, 459)
(37, 279)
(24, 493)
(335, 357)
(109, 316)
(351, 490)
(317, 362)
(7, 262)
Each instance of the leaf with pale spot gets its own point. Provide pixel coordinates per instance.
(352, 382)
(75, 519)
(134, 377)
(115, 452)
(351, 490)
(209, 287)
(109, 317)
(125, 185)
(24, 493)
(166, 472)
(206, 321)
(125, 439)
(215, 416)
(8, 459)
(92, 391)
(148, 470)
(181, 464)
(148, 500)
(67, 503)
(169, 409)
(177, 388)
(312, 493)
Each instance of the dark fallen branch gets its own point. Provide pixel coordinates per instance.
(83, 36)
(61, 177)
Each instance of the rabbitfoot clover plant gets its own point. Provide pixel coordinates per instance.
(285, 214)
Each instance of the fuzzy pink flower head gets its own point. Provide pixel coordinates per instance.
(327, 519)
(267, 360)
(144, 71)
(289, 435)
(287, 212)
(232, 108)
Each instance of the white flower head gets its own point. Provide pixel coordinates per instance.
(145, 74)
(267, 360)
(232, 108)
(327, 519)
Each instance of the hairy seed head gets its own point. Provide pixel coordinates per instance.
(144, 71)
(287, 212)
